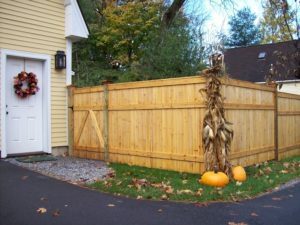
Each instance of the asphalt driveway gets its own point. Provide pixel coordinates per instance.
(22, 192)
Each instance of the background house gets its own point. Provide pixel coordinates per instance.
(252, 63)
(31, 33)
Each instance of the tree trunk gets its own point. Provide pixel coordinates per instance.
(171, 12)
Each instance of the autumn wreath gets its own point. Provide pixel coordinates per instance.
(25, 79)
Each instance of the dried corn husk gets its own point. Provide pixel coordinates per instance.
(217, 134)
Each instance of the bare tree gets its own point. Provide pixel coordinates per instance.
(287, 65)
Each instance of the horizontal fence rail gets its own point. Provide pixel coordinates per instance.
(158, 123)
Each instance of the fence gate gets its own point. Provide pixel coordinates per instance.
(88, 123)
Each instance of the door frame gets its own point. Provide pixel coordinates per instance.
(46, 85)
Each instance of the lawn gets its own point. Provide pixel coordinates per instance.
(144, 183)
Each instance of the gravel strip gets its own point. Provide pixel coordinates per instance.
(74, 170)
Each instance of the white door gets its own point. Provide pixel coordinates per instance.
(24, 126)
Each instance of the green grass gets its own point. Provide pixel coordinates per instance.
(145, 183)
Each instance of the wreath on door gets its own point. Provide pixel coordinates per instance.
(25, 84)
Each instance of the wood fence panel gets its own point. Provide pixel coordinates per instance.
(158, 123)
(157, 126)
(288, 124)
(250, 107)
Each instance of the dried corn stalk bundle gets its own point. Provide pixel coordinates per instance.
(217, 133)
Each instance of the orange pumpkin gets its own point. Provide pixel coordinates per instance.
(239, 173)
(216, 179)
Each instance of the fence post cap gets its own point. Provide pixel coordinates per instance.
(105, 82)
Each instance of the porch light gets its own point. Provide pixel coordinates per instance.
(60, 60)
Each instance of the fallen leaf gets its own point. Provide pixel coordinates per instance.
(184, 181)
(233, 223)
(268, 170)
(233, 198)
(276, 199)
(156, 185)
(284, 171)
(139, 197)
(119, 183)
(111, 174)
(43, 199)
(254, 214)
(66, 205)
(56, 213)
(201, 205)
(238, 183)
(199, 192)
(139, 183)
(169, 190)
(41, 210)
(111, 205)
(291, 196)
(220, 192)
(186, 191)
(286, 165)
(260, 172)
(164, 197)
(159, 210)
(24, 177)
(138, 186)
(107, 184)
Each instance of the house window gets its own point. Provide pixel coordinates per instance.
(262, 55)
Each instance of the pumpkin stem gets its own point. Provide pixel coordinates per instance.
(216, 169)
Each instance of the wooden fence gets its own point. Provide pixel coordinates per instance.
(288, 125)
(158, 123)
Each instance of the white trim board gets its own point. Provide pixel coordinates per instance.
(46, 97)
(69, 61)
(75, 26)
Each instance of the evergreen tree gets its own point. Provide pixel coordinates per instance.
(273, 25)
(243, 31)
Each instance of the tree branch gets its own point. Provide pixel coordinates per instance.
(171, 12)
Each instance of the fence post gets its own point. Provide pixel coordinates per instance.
(276, 123)
(70, 118)
(105, 120)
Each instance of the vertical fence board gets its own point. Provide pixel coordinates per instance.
(70, 119)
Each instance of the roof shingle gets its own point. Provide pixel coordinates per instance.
(252, 63)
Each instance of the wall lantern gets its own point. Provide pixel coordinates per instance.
(60, 60)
